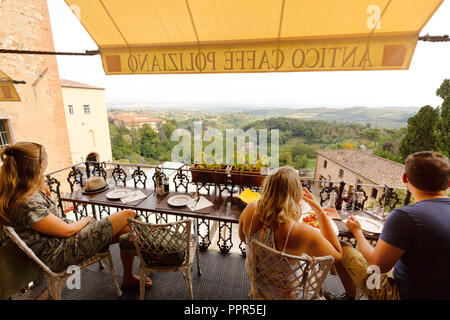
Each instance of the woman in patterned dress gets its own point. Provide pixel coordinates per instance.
(26, 205)
(274, 220)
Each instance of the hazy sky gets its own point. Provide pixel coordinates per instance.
(413, 87)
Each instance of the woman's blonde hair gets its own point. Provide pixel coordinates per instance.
(20, 175)
(280, 197)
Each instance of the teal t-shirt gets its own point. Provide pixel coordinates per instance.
(423, 231)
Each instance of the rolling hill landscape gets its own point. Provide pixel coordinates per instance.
(385, 117)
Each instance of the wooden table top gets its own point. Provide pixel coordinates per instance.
(225, 209)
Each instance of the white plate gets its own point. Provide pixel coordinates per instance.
(118, 194)
(179, 200)
(333, 224)
(368, 225)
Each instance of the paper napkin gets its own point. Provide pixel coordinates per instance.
(134, 196)
(202, 204)
(248, 196)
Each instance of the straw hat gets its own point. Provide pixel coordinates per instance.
(95, 185)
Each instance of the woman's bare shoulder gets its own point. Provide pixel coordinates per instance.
(246, 217)
(252, 205)
(249, 209)
(247, 212)
(302, 234)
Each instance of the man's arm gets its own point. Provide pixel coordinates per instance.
(383, 255)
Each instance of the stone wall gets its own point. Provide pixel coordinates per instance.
(39, 116)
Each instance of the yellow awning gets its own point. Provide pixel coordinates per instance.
(7, 90)
(223, 36)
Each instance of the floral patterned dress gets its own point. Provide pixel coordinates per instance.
(56, 252)
(262, 291)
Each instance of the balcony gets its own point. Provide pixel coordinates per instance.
(222, 253)
(219, 183)
(223, 278)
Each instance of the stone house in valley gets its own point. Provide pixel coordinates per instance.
(355, 166)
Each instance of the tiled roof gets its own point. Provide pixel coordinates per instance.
(73, 84)
(379, 170)
(134, 118)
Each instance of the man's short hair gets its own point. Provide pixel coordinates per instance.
(428, 170)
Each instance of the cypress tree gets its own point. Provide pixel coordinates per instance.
(443, 125)
(420, 133)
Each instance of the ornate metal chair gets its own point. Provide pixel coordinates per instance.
(278, 275)
(56, 281)
(168, 247)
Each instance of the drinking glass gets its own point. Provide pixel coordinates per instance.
(331, 202)
(381, 213)
(378, 210)
(194, 195)
(344, 209)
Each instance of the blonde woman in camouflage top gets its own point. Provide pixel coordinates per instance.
(26, 205)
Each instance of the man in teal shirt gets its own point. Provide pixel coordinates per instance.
(415, 240)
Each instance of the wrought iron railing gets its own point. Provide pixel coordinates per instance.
(185, 179)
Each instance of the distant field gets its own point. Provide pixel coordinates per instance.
(388, 117)
(307, 116)
(311, 164)
(291, 142)
(389, 125)
(297, 140)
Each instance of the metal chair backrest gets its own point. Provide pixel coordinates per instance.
(277, 275)
(158, 240)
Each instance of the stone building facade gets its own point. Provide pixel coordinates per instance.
(39, 116)
(355, 166)
(134, 121)
(87, 121)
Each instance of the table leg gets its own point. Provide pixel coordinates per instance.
(243, 248)
(225, 233)
(205, 240)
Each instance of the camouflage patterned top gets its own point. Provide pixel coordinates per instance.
(39, 206)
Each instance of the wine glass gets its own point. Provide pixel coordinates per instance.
(331, 202)
(194, 195)
(380, 212)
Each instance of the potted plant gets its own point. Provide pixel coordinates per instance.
(250, 175)
(208, 173)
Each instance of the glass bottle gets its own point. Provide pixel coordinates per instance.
(340, 198)
(359, 199)
(350, 197)
(157, 177)
(166, 185)
(159, 188)
(344, 202)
